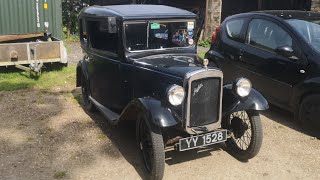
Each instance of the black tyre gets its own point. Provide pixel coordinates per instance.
(309, 111)
(88, 105)
(151, 148)
(246, 134)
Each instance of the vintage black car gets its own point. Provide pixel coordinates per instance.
(141, 64)
(279, 51)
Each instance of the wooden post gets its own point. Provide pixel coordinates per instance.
(259, 5)
(315, 5)
(213, 17)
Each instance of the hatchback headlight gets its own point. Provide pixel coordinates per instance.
(242, 87)
(176, 95)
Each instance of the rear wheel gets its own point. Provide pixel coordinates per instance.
(246, 134)
(309, 111)
(151, 148)
(87, 103)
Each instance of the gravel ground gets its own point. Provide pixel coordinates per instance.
(74, 52)
(48, 135)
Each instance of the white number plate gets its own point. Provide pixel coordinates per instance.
(202, 140)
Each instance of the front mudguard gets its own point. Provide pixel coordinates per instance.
(158, 113)
(81, 70)
(233, 103)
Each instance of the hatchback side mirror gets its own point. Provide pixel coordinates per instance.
(285, 51)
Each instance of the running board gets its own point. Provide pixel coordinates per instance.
(107, 113)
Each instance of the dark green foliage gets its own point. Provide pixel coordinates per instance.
(205, 43)
(70, 12)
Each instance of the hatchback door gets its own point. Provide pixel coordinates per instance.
(270, 71)
(230, 43)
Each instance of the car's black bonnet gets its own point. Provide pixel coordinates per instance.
(178, 65)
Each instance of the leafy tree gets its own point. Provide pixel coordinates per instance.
(70, 11)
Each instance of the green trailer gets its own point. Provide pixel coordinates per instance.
(30, 33)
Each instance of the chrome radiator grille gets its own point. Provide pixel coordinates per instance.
(204, 101)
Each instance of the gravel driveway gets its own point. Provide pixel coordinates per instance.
(52, 137)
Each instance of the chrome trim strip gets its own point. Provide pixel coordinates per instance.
(196, 75)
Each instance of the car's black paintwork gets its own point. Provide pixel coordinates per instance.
(135, 81)
(278, 78)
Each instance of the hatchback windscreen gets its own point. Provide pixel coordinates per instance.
(309, 29)
(159, 35)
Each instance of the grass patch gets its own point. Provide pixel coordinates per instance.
(205, 43)
(60, 175)
(201, 54)
(50, 77)
(101, 136)
(71, 38)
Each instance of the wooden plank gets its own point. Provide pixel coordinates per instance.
(8, 63)
(18, 37)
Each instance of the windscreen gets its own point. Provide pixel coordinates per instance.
(159, 35)
(309, 29)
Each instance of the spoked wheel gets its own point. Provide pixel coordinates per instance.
(246, 134)
(150, 143)
(310, 111)
(88, 105)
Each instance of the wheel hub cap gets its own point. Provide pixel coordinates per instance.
(239, 127)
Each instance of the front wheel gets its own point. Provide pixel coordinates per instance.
(246, 134)
(151, 148)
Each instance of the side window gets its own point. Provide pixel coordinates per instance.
(234, 28)
(267, 35)
(100, 38)
(83, 31)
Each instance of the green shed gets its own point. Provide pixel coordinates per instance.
(30, 17)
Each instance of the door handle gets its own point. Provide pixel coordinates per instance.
(241, 52)
(240, 58)
(302, 71)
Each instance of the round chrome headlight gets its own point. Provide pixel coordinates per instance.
(176, 95)
(243, 87)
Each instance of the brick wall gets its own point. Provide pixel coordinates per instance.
(213, 16)
(315, 5)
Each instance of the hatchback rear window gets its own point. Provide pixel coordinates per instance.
(234, 28)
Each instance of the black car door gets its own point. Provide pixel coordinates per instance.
(232, 41)
(105, 66)
(271, 72)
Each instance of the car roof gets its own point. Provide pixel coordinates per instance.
(127, 12)
(292, 14)
(283, 14)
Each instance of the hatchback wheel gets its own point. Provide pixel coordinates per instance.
(309, 111)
